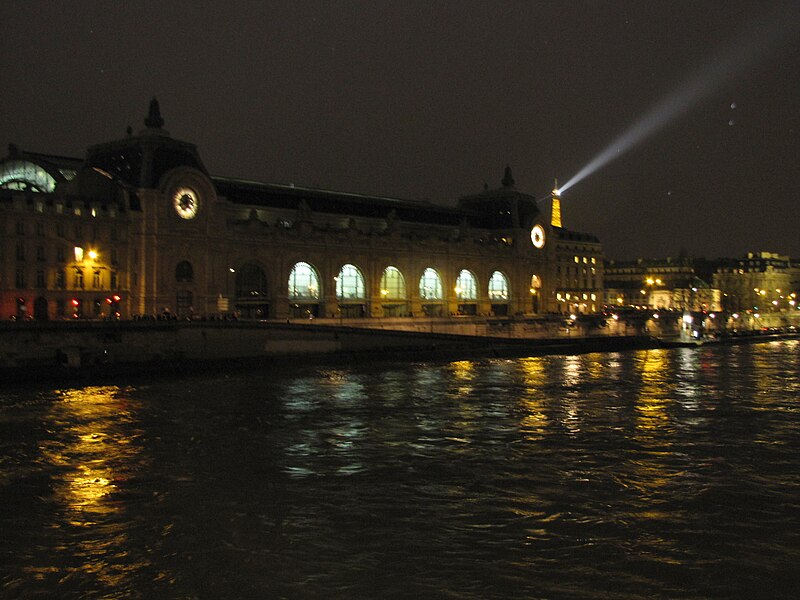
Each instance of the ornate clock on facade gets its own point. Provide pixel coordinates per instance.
(186, 202)
(537, 236)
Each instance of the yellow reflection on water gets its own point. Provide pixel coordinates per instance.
(653, 392)
(572, 370)
(653, 466)
(463, 372)
(91, 444)
(594, 367)
(534, 422)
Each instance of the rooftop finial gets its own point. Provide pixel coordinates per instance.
(555, 188)
(154, 119)
(508, 180)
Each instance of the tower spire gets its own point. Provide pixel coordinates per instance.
(154, 119)
(555, 206)
(508, 179)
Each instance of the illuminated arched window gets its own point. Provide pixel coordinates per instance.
(466, 286)
(536, 282)
(25, 175)
(251, 282)
(393, 284)
(184, 273)
(350, 284)
(303, 282)
(498, 287)
(430, 285)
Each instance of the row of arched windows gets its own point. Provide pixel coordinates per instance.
(304, 284)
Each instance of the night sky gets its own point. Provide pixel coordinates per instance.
(432, 99)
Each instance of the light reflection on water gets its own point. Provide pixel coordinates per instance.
(666, 473)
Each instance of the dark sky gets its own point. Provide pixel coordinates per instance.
(432, 99)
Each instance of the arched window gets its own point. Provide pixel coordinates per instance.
(25, 175)
(430, 285)
(350, 284)
(393, 285)
(303, 282)
(184, 272)
(466, 286)
(536, 282)
(498, 287)
(251, 282)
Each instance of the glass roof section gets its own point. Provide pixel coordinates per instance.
(25, 175)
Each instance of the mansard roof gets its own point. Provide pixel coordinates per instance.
(141, 160)
(282, 196)
(575, 236)
(504, 207)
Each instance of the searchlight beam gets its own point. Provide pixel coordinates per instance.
(773, 31)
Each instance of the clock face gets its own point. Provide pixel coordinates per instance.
(186, 203)
(537, 236)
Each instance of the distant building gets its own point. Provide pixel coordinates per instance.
(140, 227)
(670, 284)
(760, 282)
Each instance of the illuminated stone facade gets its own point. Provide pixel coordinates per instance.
(140, 228)
(760, 282)
(670, 283)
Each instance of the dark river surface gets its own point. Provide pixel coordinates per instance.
(643, 474)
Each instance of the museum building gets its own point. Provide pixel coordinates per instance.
(139, 228)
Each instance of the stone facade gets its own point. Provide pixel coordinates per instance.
(140, 228)
(760, 282)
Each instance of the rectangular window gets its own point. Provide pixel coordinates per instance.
(40, 253)
(20, 228)
(38, 206)
(20, 251)
(60, 230)
(113, 280)
(95, 233)
(114, 259)
(61, 279)
(60, 254)
(96, 280)
(114, 232)
(20, 278)
(77, 282)
(78, 230)
(59, 308)
(40, 279)
(40, 229)
(78, 211)
(134, 279)
(59, 208)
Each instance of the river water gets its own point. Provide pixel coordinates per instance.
(643, 474)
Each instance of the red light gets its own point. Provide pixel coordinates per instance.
(109, 301)
(75, 302)
(117, 298)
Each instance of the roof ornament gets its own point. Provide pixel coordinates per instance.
(508, 180)
(154, 119)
